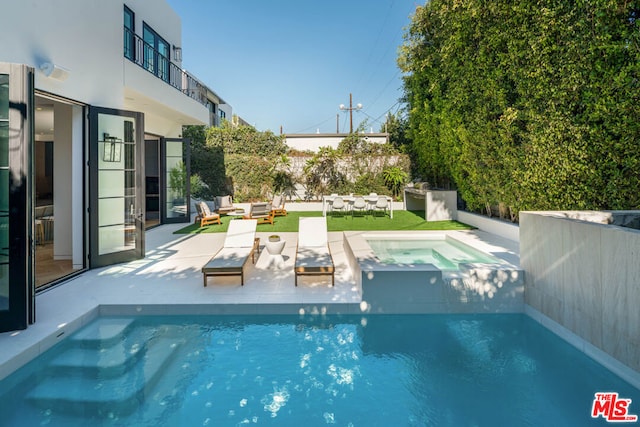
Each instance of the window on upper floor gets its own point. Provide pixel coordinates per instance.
(129, 32)
(156, 53)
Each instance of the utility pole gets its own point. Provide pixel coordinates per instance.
(350, 113)
(350, 109)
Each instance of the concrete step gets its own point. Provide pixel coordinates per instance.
(80, 393)
(108, 362)
(103, 332)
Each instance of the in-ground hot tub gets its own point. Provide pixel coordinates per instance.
(435, 272)
(447, 254)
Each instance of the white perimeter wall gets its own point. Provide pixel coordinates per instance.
(313, 142)
(491, 225)
(585, 276)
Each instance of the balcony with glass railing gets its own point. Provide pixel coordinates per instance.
(146, 56)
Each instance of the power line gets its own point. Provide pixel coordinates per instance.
(385, 88)
(314, 126)
(375, 44)
(377, 120)
(344, 124)
(392, 41)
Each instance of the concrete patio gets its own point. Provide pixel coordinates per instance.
(169, 281)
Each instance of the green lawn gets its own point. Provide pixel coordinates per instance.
(402, 220)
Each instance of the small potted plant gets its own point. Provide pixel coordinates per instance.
(274, 238)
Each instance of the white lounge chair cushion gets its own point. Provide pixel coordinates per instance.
(312, 232)
(229, 259)
(241, 233)
(314, 259)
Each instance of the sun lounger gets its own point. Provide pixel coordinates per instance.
(239, 244)
(313, 256)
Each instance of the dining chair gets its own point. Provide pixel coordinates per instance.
(381, 205)
(359, 205)
(338, 205)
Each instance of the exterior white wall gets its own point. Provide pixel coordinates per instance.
(86, 38)
(62, 181)
(228, 111)
(584, 276)
(313, 142)
(78, 214)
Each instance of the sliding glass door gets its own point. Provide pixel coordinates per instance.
(175, 158)
(116, 168)
(17, 302)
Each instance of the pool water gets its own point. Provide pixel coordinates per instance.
(413, 370)
(446, 254)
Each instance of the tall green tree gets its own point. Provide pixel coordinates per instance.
(396, 126)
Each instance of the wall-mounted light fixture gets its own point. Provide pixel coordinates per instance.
(54, 71)
(112, 148)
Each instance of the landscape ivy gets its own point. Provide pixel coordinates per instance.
(253, 165)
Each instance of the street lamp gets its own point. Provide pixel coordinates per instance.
(350, 109)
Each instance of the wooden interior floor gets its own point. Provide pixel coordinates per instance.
(48, 269)
(151, 223)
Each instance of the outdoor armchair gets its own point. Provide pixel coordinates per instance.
(277, 205)
(205, 216)
(262, 212)
(224, 204)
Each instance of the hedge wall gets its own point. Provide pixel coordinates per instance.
(528, 104)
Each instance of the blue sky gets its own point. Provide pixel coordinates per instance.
(291, 63)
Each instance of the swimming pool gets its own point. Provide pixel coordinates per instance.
(292, 370)
(444, 253)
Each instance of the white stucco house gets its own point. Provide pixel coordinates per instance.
(93, 98)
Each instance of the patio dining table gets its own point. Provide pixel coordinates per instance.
(371, 200)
